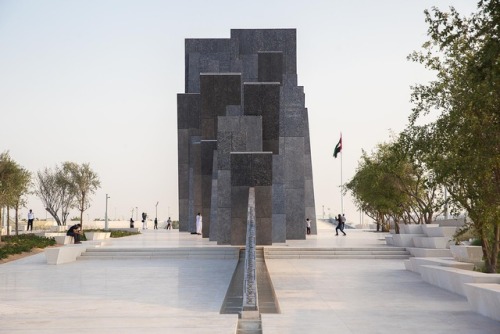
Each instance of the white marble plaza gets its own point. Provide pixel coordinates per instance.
(185, 295)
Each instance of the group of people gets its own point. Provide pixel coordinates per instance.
(168, 223)
(340, 224)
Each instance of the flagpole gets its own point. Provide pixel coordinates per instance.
(341, 185)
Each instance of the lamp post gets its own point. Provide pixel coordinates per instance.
(156, 214)
(136, 213)
(106, 214)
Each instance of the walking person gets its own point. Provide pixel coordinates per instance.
(31, 217)
(169, 224)
(144, 221)
(131, 223)
(199, 223)
(308, 226)
(340, 225)
(156, 223)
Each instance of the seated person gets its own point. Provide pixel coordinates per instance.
(75, 231)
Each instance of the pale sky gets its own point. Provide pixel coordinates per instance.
(96, 81)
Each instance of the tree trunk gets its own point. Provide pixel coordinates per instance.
(491, 251)
(81, 219)
(8, 222)
(17, 219)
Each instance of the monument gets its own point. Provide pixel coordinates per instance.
(242, 122)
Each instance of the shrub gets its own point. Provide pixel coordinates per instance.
(16, 244)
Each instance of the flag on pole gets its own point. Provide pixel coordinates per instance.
(338, 148)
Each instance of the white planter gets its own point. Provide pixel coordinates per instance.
(470, 254)
(97, 235)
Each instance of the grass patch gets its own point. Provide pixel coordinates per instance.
(17, 244)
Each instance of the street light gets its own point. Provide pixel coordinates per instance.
(106, 214)
(156, 215)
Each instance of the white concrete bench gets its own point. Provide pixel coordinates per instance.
(410, 229)
(414, 263)
(97, 235)
(454, 279)
(405, 240)
(64, 239)
(434, 230)
(429, 252)
(432, 242)
(472, 254)
(484, 299)
(64, 254)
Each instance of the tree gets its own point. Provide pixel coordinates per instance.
(84, 183)
(54, 188)
(22, 184)
(462, 146)
(376, 191)
(14, 184)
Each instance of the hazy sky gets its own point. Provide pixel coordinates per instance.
(96, 81)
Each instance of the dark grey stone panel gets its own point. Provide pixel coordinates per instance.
(279, 168)
(208, 128)
(183, 138)
(270, 66)
(263, 99)
(250, 67)
(188, 111)
(279, 227)
(238, 142)
(224, 142)
(217, 92)
(207, 154)
(224, 189)
(295, 214)
(289, 79)
(294, 162)
(262, 169)
(224, 225)
(292, 97)
(278, 198)
(234, 111)
(183, 182)
(183, 214)
(206, 55)
(241, 172)
(263, 202)
(251, 41)
(213, 202)
(228, 123)
(293, 123)
(264, 231)
(239, 205)
(251, 126)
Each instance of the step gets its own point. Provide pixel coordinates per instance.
(246, 326)
(337, 253)
(157, 253)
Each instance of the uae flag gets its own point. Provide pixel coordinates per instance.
(338, 148)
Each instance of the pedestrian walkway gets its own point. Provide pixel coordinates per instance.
(184, 296)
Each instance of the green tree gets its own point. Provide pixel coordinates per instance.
(54, 188)
(14, 184)
(22, 184)
(376, 191)
(84, 183)
(462, 146)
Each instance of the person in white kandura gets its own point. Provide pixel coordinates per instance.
(199, 223)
